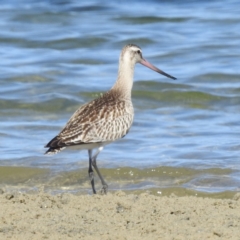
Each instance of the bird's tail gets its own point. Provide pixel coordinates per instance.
(52, 151)
(54, 146)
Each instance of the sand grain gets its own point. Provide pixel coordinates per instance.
(117, 216)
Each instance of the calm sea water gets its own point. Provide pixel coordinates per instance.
(57, 55)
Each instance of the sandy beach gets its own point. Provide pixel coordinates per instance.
(117, 215)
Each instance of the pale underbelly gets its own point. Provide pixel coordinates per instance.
(87, 146)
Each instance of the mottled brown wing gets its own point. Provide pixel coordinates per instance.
(104, 119)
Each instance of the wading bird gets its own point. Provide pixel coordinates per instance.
(105, 119)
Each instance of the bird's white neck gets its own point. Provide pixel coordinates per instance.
(124, 81)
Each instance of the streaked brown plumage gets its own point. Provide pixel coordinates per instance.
(106, 118)
(110, 112)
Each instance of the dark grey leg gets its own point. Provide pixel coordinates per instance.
(90, 171)
(94, 163)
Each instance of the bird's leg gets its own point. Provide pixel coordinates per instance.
(90, 171)
(94, 163)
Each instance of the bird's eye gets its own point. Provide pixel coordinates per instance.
(138, 51)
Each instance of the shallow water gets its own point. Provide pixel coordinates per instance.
(57, 56)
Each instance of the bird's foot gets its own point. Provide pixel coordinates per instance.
(104, 189)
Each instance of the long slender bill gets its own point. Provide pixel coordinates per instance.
(149, 65)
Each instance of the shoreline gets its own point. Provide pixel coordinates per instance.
(163, 181)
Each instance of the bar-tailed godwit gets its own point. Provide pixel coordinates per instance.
(105, 119)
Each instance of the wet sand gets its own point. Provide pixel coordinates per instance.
(117, 215)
